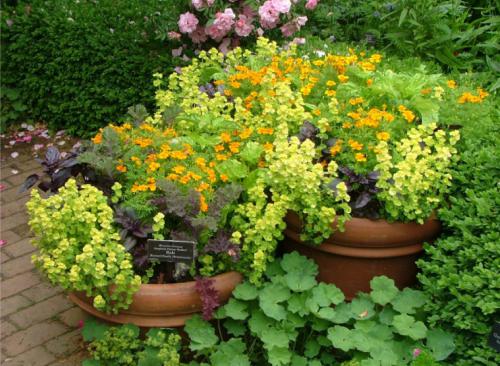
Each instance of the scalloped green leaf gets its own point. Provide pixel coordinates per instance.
(278, 356)
(270, 297)
(383, 290)
(408, 301)
(246, 291)
(407, 326)
(235, 327)
(232, 352)
(440, 343)
(341, 338)
(201, 333)
(236, 309)
(273, 337)
(300, 271)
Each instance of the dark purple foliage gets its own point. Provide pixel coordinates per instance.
(133, 227)
(308, 131)
(221, 244)
(57, 168)
(209, 296)
(363, 190)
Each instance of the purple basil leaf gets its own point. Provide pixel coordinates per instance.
(373, 175)
(44, 186)
(52, 155)
(129, 243)
(363, 199)
(29, 182)
(68, 163)
(60, 178)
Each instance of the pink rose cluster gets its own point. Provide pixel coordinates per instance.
(239, 20)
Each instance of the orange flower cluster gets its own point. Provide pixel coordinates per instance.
(468, 97)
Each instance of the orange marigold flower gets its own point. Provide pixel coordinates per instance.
(384, 136)
(147, 127)
(246, 133)
(316, 112)
(177, 154)
(330, 93)
(203, 187)
(121, 168)
(178, 169)
(234, 147)
(219, 148)
(268, 146)
(369, 82)
(201, 162)
(360, 157)
(355, 101)
(219, 82)
(335, 149)
(452, 84)
(153, 166)
(221, 157)
(172, 176)
(235, 84)
(347, 125)
(376, 58)
(203, 204)
(426, 91)
(265, 131)
(331, 83)
(355, 145)
(407, 114)
(343, 78)
(97, 138)
(228, 93)
(225, 137)
(224, 178)
(136, 160)
(143, 142)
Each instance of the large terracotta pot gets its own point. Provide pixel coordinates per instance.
(366, 248)
(162, 306)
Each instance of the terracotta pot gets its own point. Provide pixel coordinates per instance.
(366, 248)
(162, 306)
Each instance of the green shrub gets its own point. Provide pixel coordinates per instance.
(460, 271)
(462, 35)
(79, 65)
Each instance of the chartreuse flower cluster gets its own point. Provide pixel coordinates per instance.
(79, 249)
(295, 183)
(294, 320)
(415, 179)
(122, 345)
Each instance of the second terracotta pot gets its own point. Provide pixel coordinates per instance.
(163, 306)
(367, 248)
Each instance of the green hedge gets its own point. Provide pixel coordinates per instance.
(78, 65)
(460, 272)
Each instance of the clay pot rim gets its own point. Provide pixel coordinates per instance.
(183, 285)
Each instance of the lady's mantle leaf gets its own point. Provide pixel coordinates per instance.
(235, 327)
(259, 322)
(269, 299)
(300, 272)
(93, 330)
(274, 338)
(341, 338)
(362, 307)
(278, 356)
(246, 291)
(440, 343)
(383, 290)
(408, 300)
(236, 310)
(324, 295)
(201, 333)
(252, 152)
(407, 326)
(232, 352)
(233, 169)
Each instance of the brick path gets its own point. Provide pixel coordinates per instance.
(38, 323)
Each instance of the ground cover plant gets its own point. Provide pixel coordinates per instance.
(77, 65)
(459, 273)
(290, 320)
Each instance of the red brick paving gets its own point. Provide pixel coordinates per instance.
(38, 323)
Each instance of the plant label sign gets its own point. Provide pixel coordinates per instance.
(494, 340)
(171, 251)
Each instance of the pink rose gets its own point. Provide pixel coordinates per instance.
(224, 46)
(301, 21)
(243, 26)
(198, 4)
(289, 29)
(187, 22)
(177, 52)
(282, 6)
(222, 25)
(311, 4)
(416, 352)
(269, 16)
(199, 35)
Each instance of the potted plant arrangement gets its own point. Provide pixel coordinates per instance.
(136, 182)
(355, 157)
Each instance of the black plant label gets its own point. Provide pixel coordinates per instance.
(494, 340)
(171, 251)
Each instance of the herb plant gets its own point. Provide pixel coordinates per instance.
(293, 320)
(121, 345)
